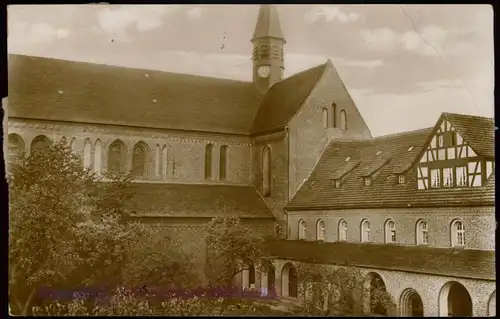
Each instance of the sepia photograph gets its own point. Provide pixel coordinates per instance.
(250, 160)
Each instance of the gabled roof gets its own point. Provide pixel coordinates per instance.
(403, 150)
(60, 90)
(43, 88)
(464, 263)
(284, 99)
(478, 131)
(198, 200)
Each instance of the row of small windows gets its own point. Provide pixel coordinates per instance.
(367, 181)
(222, 162)
(117, 156)
(457, 232)
(330, 118)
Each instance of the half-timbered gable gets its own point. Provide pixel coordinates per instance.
(456, 155)
(398, 170)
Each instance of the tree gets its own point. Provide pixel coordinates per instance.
(155, 261)
(231, 247)
(48, 195)
(70, 230)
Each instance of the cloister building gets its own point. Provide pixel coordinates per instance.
(413, 211)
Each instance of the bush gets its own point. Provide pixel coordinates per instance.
(126, 303)
(330, 292)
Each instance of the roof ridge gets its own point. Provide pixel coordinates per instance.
(299, 73)
(468, 115)
(268, 118)
(318, 67)
(421, 130)
(189, 184)
(129, 68)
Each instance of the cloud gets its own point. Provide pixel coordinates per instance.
(443, 83)
(145, 17)
(23, 34)
(383, 39)
(363, 63)
(329, 13)
(195, 13)
(429, 40)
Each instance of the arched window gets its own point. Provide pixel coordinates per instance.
(98, 156)
(302, 229)
(87, 154)
(325, 117)
(320, 230)
(342, 230)
(334, 115)
(422, 233)
(390, 231)
(343, 120)
(16, 148)
(157, 160)
(164, 155)
(139, 160)
(266, 171)
(457, 234)
(223, 163)
(41, 143)
(117, 153)
(208, 161)
(365, 231)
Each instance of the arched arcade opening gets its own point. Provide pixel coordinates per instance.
(289, 281)
(454, 301)
(268, 279)
(411, 304)
(375, 295)
(492, 305)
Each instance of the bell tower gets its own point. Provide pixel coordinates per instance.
(268, 42)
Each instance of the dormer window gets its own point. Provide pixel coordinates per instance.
(368, 181)
(401, 179)
(336, 183)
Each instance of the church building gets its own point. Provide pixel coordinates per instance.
(291, 156)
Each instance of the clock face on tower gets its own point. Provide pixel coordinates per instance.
(264, 71)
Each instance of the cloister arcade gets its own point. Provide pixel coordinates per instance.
(413, 297)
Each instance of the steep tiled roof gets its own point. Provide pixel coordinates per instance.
(197, 200)
(465, 263)
(399, 152)
(285, 98)
(43, 88)
(478, 131)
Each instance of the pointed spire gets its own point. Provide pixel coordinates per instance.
(268, 23)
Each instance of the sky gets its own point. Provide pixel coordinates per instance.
(402, 64)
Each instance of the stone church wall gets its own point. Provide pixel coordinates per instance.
(307, 134)
(278, 142)
(191, 234)
(185, 150)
